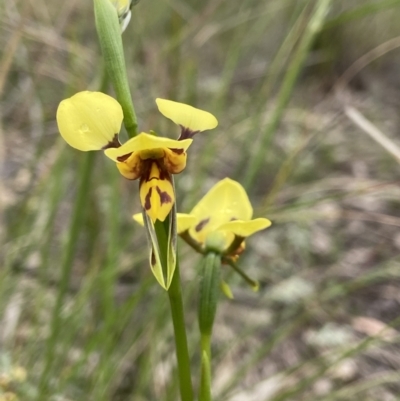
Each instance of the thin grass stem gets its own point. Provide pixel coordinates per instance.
(84, 176)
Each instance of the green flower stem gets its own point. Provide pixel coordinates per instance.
(182, 353)
(109, 33)
(205, 342)
(205, 379)
(208, 301)
(225, 259)
(253, 283)
(66, 268)
(176, 305)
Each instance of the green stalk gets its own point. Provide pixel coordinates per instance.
(84, 176)
(109, 33)
(208, 301)
(178, 319)
(182, 353)
(205, 381)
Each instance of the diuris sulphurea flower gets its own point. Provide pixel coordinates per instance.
(220, 223)
(223, 219)
(92, 121)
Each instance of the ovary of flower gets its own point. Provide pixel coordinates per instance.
(92, 120)
(222, 215)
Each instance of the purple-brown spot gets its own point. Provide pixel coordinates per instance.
(164, 196)
(123, 157)
(147, 200)
(177, 151)
(153, 258)
(112, 144)
(201, 225)
(186, 133)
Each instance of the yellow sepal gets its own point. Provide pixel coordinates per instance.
(185, 221)
(89, 120)
(157, 194)
(245, 228)
(186, 116)
(145, 141)
(225, 201)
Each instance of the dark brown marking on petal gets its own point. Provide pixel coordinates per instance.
(147, 201)
(112, 144)
(177, 151)
(164, 174)
(146, 169)
(201, 225)
(164, 196)
(186, 133)
(123, 157)
(233, 218)
(153, 258)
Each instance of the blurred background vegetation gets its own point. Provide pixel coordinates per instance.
(307, 94)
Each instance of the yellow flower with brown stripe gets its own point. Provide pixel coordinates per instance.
(92, 120)
(222, 219)
(152, 160)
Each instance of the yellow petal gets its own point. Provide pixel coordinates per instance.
(185, 221)
(138, 217)
(89, 120)
(226, 201)
(245, 228)
(175, 160)
(145, 141)
(186, 116)
(132, 167)
(157, 194)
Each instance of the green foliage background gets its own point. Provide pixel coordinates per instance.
(278, 75)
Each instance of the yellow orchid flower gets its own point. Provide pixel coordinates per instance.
(222, 215)
(92, 121)
(223, 219)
